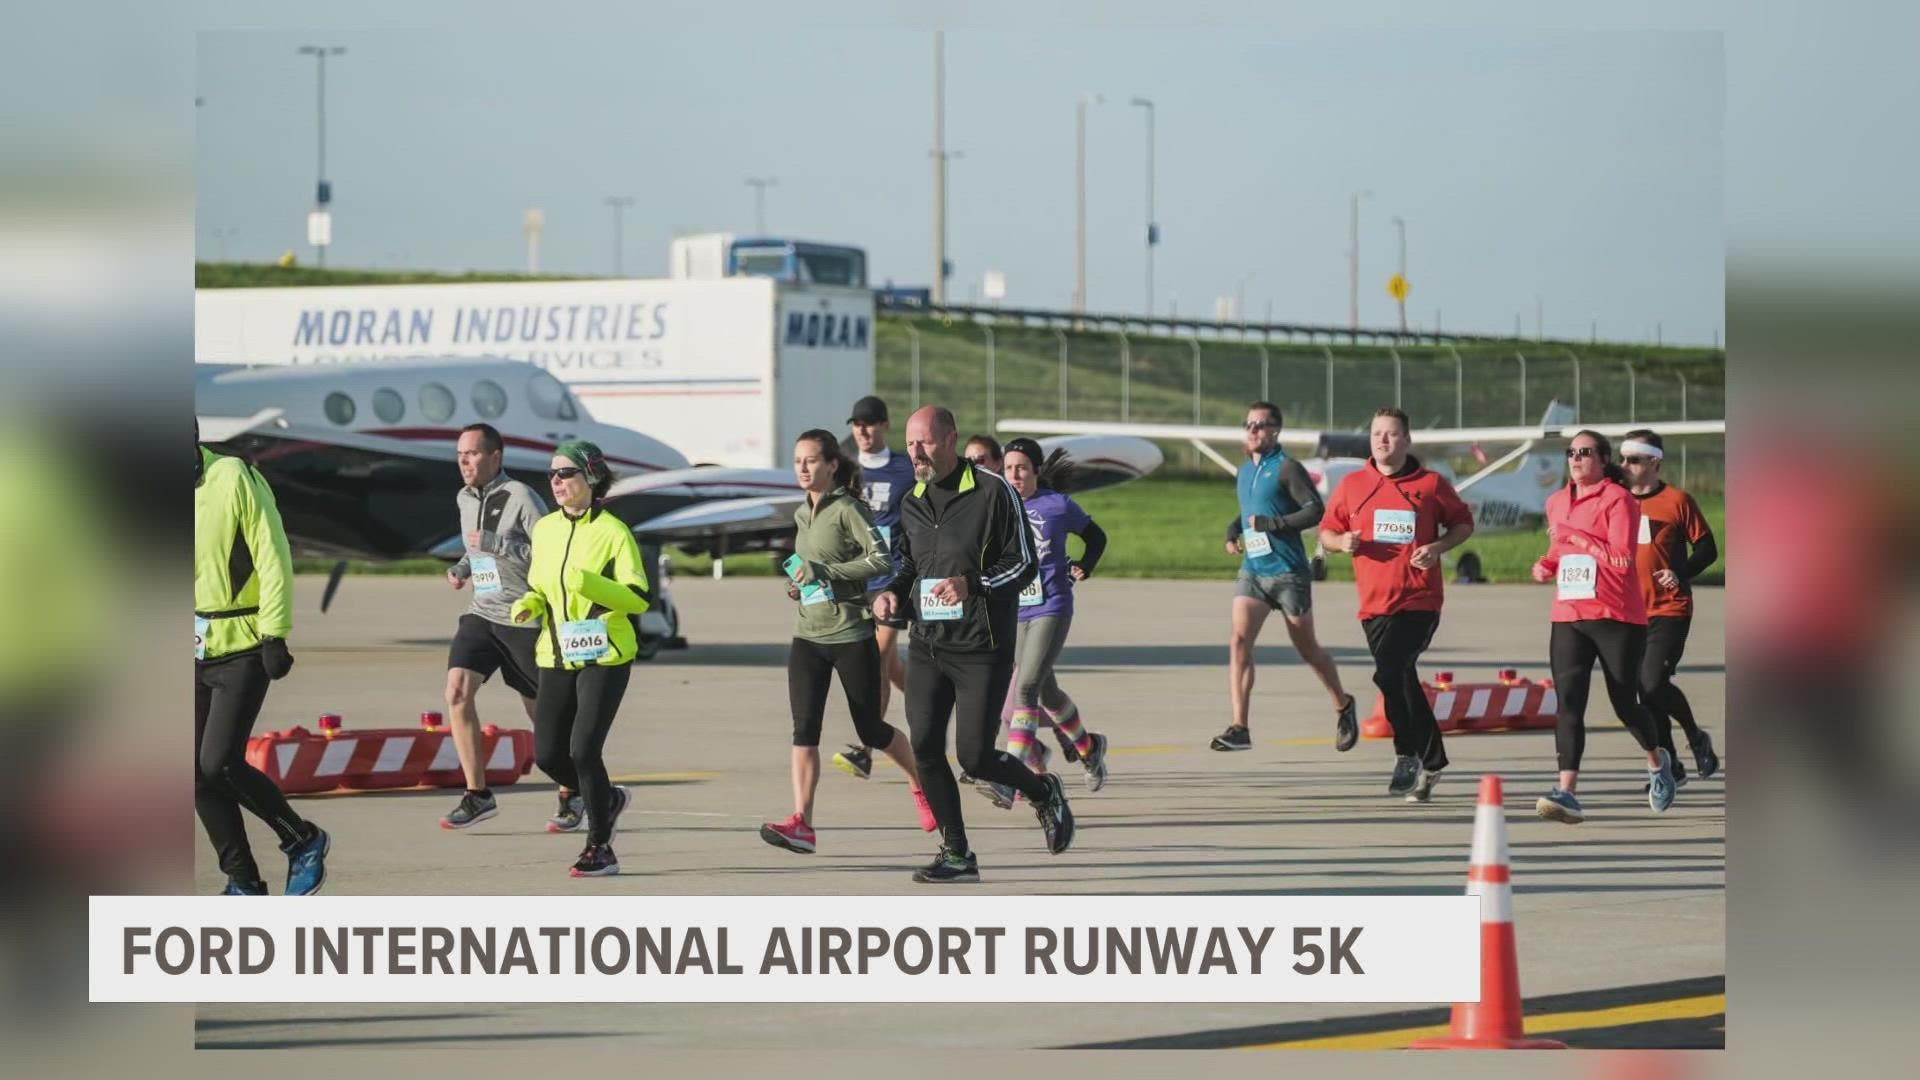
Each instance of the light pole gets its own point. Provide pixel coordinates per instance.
(1080, 200)
(320, 222)
(1153, 230)
(760, 184)
(619, 204)
(1400, 227)
(940, 156)
(1353, 261)
(1240, 295)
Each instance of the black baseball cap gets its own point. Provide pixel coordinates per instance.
(869, 410)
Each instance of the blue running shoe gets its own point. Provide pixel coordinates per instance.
(1660, 785)
(1558, 805)
(307, 864)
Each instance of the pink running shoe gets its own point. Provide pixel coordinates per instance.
(928, 823)
(792, 834)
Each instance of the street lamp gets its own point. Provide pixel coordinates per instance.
(1080, 200)
(1400, 227)
(1353, 261)
(1240, 295)
(619, 204)
(1153, 230)
(320, 222)
(760, 184)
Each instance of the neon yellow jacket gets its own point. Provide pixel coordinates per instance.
(242, 569)
(585, 568)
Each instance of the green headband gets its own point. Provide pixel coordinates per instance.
(585, 455)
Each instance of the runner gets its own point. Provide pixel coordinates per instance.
(1397, 518)
(885, 480)
(1046, 615)
(965, 553)
(1277, 502)
(497, 515)
(836, 550)
(985, 453)
(588, 587)
(1670, 523)
(242, 614)
(1592, 525)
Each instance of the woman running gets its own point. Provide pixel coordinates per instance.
(1046, 614)
(985, 452)
(1593, 528)
(587, 583)
(836, 549)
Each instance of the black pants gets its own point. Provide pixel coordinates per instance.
(227, 695)
(1666, 643)
(941, 683)
(571, 718)
(810, 670)
(1396, 642)
(1619, 647)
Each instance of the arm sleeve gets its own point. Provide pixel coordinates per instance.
(902, 584)
(533, 603)
(1235, 528)
(272, 560)
(625, 592)
(1096, 541)
(1705, 551)
(530, 510)
(1300, 486)
(1009, 536)
(857, 521)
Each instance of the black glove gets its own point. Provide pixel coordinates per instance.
(1082, 567)
(275, 657)
(1262, 523)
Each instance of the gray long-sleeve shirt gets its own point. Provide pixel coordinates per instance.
(500, 517)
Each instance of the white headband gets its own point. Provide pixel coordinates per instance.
(1641, 449)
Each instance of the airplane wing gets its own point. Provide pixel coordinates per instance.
(722, 518)
(1188, 432)
(1429, 436)
(219, 429)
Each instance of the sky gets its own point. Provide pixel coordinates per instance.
(1574, 175)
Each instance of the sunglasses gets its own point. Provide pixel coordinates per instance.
(980, 460)
(1582, 452)
(1260, 425)
(567, 473)
(1635, 459)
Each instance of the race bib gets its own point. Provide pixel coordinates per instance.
(200, 628)
(1646, 529)
(932, 608)
(814, 593)
(877, 495)
(486, 575)
(1393, 526)
(583, 641)
(1578, 576)
(886, 536)
(1033, 595)
(1258, 543)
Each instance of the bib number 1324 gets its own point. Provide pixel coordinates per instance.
(1579, 574)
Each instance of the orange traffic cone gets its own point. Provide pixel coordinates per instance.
(1493, 1022)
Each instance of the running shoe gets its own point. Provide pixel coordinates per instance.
(597, 860)
(1558, 805)
(1704, 758)
(1680, 779)
(1067, 750)
(1406, 773)
(474, 808)
(928, 823)
(855, 761)
(307, 863)
(1234, 738)
(621, 798)
(966, 778)
(1423, 787)
(1346, 728)
(1056, 817)
(1660, 785)
(792, 834)
(572, 815)
(1000, 795)
(1045, 755)
(949, 868)
(244, 888)
(1096, 763)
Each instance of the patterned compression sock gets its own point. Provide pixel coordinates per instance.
(1020, 736)
(1067, 719)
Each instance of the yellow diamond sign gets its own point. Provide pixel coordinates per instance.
(1397, 287)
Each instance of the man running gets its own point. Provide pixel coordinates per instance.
(1397, 518)
(1670, 523)
(1277, 503)
(497, 515)
(965, 553)
(242, 614)
(885, 478)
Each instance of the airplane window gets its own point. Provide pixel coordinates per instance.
(547, 397)
(339, 408)
(388, 405)
(436, 402)
(488, 399)
(567, 411)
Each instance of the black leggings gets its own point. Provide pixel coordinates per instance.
(810, 670)
(227, 695)
(1619, 647)
(941, 683)
(1666, 643)
(571, 718)
(1396, 642)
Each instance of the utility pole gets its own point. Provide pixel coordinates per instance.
(1353, 261)
(939, 167)
(619, 204)
(1153, 229)
(320, 221)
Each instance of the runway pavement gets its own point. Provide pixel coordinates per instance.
(1628, 910)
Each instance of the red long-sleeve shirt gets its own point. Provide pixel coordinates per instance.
(1590, 530)
(1393, 515)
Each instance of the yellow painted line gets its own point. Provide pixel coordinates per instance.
(1691, 1008)
(664, 777)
